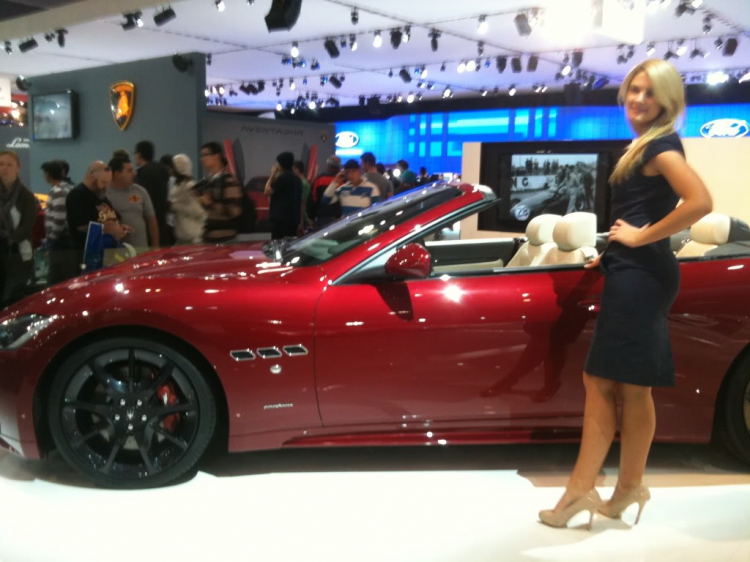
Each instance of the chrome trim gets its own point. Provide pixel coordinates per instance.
(295, 350)
(242, 354)
(269, 352)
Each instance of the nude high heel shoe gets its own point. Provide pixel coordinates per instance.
(590, 502)
(614, 509)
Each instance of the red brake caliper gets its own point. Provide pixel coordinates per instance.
(167, 396)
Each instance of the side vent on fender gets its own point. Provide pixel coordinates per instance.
(269, 352)
(242, 354)
(295, 350)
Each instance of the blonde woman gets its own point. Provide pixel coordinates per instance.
(630, 352)
(189, 214)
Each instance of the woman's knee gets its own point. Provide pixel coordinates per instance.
(634, 392)
(602, 386)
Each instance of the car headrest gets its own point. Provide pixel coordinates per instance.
(739, 231)
(574, 231)
(711, 229)
(539, 229)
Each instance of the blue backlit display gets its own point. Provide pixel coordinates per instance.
(435, 140)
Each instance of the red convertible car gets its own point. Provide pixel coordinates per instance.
(373, 331)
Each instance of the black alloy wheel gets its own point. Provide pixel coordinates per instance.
(131, 413)
(735, 410)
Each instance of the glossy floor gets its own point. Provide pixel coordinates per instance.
(471, 504)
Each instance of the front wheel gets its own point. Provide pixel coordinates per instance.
(131, 413)
(735, 411)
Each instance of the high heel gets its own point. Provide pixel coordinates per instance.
(614, 509)
(590, 502)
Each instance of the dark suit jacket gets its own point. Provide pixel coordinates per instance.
(155, 179)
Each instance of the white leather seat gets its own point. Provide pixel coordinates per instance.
(705, 235)
(539, 232)
(575, 240)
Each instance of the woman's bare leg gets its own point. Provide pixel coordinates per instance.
(599, 426)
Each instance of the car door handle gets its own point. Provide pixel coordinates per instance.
(592, 305)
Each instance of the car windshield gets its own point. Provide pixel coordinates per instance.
(357, 228)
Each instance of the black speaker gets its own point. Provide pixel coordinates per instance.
(730, 46)
(283, 15)
(181, 63)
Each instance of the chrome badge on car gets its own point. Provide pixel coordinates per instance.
(725, 128)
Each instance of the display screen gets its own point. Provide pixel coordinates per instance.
(53, 116)
(551, 183)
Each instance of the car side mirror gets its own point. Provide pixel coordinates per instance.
(410, 262)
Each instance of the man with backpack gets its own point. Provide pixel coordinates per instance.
(220, 194)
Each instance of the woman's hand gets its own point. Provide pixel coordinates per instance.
(593, 263)
(626, 234)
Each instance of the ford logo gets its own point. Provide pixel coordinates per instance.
(347, 139)
(725, 128)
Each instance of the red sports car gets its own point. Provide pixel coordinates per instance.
(377, 330)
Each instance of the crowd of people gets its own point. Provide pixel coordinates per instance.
(144, 203)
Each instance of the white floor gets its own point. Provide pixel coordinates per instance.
(471, 504)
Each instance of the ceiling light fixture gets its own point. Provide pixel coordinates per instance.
(410, 98)
(745, 76)
(405, 76)
(522, 24)
(279, 107)
(681, 47)
(730, 46)
(61, 33)
(447, 92)
(355, 16)
(707, 25)
(461, 67)
(717, 77)
(515, 65)
(166, 15)
(683, 8)
(331, 48)
(532, 63)
(512, 90)
(442, 67)
(353, 45)
(315, 65)
(407, 34)
(335, 81)
(377, 40)
(8, 48)
(482, 25)
(434, 36)
(480, 48)
(295, 50)
(471, 66)
(501, 63)
(29, 44)
(651, 49)
(396, 37)
(220, 5)
(577, 58)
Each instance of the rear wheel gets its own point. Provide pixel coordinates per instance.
(131, 413)
(735, 412)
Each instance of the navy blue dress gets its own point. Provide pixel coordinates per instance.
(631, 339)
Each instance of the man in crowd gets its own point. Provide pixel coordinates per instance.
(62, 256)
(88, 202)
(299, 170)
(407, 178)
(155, 178)
(371, 174)
(423, 178)
(133, 205)
(323, 213)
(285, 190)
(351, 189)
(220, 194)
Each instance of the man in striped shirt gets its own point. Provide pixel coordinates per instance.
(352, 190)
(62, 256)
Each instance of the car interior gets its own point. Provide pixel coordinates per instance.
(554, 240)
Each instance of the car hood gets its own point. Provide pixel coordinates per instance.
(537, 199)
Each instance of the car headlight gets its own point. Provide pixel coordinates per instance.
(521, 212)
(17, 331)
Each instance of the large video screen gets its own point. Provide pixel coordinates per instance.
(551, 183)
(54, 116)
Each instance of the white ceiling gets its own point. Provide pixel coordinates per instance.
(242, 49)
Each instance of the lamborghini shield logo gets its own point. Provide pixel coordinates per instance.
(122, 103)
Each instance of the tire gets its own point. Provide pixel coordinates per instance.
(131, 413)
(735, 411)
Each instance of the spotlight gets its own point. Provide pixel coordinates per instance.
(532, 63)
(261, 85)
(730, 46)
(501, 63)
(335, 81)
(220, 5)
(434, 36)
(396, 37)
(745, 76)
(27, 45)
(696, 53)
(232, 93)
(651, 49)
(483, 92)
(461, 67)
(601, 82)
(566, 69)
(405, 76)
(295, 50)
(343, 43)
(482, 26)
(410, 98)
(522, 24)
(683, 8)
(279, 107)
(423, 72)
(407, 34)
(390, 73)
(670, 55)
(315, 65)
(480, 48)
(719, 44)
(707, 25)
(221, 90)
(132, 20)
(353, 42)
(304, 81)
(716, 78)
(22, 83)
(442, 67)
(512, 90)
(355, 16)
(577, 58)
(312, 105)
(332, 48)
(164, 16)
(61, 33)
(681, 47)
(209, 59)
(447, 92)
(362, 100)
(8, 48)
(696, 3)
(292, 85)
(49, 36)
(515, 64)
(471, 66)
(377, 40)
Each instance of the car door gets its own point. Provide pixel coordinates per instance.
(508, 345)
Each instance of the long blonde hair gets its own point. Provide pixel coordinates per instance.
(669, 93)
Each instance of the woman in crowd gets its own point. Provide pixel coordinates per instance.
(189, 214)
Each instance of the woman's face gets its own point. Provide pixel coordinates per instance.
(640, 105)
(9, 169)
